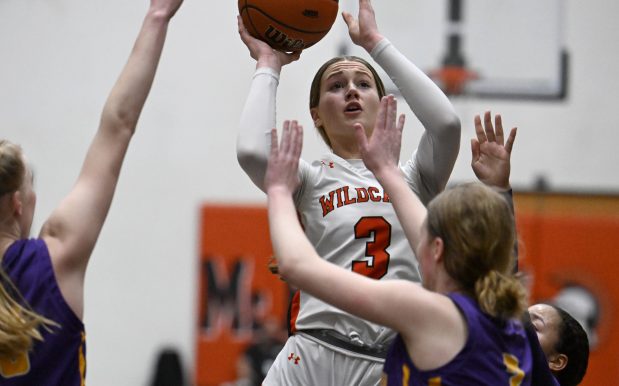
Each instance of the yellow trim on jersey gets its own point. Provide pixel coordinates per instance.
(436, 381)
(14, 367)
(82, 361)
(511, 362)
(406, 375)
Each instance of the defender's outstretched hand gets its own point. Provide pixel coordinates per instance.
(363, 31)
(382, 150)
(381, 155)
(264, 54)
(283, 166)
(491, 152)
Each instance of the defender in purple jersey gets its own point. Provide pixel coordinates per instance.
(559, 344)
(42, 339)
(495, 353)
(463, 326)
(564, 342)
(60, 357)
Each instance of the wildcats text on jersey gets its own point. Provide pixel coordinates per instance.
(347, 195)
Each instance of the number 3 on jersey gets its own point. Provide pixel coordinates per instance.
(379, 230)
(513, 368)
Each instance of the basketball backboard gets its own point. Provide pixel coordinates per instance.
(505, 49)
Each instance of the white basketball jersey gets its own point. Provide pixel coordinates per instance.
(345, 212)
(350, 221)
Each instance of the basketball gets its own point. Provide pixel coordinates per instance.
(288, 25)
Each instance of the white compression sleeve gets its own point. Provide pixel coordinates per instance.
(440, 143)
(257, 120)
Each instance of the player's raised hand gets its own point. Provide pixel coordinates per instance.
(363, 31)
(381, 151)
(283, 166)
(264, 54)
(491, 153)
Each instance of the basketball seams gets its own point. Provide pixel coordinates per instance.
(249, 19)
(288, 27)
(246, 7)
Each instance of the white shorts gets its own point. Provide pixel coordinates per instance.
(305, 362)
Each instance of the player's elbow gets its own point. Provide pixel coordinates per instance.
(248, 158)
(451, 126)
(253, 163)
(120, 120)
(289, 266)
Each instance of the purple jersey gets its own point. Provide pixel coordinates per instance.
(541, 376)
(60, 359)
(496, 353)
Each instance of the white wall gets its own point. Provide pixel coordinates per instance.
(59, 58)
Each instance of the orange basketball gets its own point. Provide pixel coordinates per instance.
(288, 25)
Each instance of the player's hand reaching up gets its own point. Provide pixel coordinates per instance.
(283, 166)
(264, 54)
(381, 151)
(363, 31)
(491, 152)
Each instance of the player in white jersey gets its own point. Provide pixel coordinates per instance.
(346, 214)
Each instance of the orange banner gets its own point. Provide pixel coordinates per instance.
(570, 246)
(236, 290)
(566, 242)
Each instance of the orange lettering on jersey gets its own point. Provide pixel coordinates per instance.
(373, 194)
(327, 204)
(386, 197)
(342, 196)
(340, 200)
(348, 200)
(362, 195)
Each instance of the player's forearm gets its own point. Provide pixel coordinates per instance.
(257, 120)
(427, 101)
(410, 210)
(125, 102)
(440, 144)
(78, 220)
(291, 248)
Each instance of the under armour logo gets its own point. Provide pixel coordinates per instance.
(295, 358)
(330, 164)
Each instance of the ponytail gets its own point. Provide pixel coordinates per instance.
(19, 325)
(500, 295)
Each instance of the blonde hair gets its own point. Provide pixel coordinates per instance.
(12, 167)
(477, 229)
(19, 325)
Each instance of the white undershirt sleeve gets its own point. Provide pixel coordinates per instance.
(253, 143)
(257, 119)
(431, 164)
